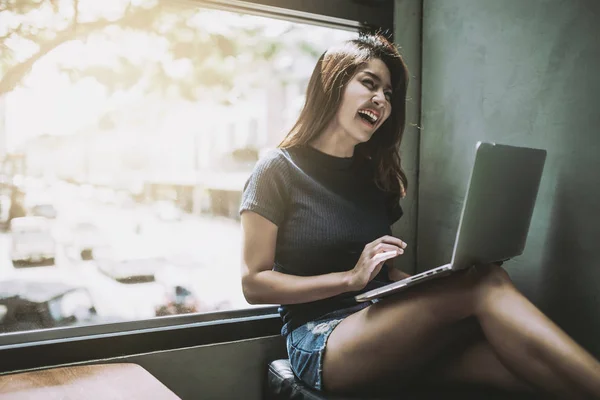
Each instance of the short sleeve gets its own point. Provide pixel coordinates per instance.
(265, 192)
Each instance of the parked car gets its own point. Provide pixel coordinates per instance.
(180, 300)
(136, 270)
(29, 304)
(185, 291)
(84, 238)
(32, 241)
(134, 289)
(44, 210)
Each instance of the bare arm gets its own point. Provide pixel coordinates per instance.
(261, 285)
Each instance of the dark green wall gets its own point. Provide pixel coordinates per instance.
(521, 72)
(407, 35)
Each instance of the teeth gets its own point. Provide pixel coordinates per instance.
(372, 117)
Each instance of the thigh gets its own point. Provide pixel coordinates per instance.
(306, 345)
(400, 335)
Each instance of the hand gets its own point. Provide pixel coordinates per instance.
(371, 260)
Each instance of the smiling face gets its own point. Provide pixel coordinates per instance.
(366, 102)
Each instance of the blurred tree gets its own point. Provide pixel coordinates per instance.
(195, 52)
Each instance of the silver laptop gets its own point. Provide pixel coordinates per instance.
(496, 212)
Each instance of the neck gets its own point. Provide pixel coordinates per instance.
(333, 143)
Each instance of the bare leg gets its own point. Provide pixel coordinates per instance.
(536, 348)
(479, 364)
(401, 335)
(475, 363)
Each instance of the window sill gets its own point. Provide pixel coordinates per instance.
(43, 348)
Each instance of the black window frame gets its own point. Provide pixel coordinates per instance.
(57, 346)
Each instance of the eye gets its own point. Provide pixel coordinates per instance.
(368, 83)
(388, 96)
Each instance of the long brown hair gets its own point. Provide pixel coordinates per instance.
(327, 83)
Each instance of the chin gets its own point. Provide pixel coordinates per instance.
(364, 137)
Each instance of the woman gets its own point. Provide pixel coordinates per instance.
(316, 216)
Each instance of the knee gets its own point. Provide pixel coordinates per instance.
(492, 275)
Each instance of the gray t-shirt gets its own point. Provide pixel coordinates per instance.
(326, 209)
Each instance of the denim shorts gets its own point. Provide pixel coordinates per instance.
(306, 345)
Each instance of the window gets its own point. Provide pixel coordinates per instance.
(126, 141)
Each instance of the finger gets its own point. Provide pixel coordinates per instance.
(379, 245)
(383, 247)
(375, 270)
(392, 240)
(377, 265)
(386, 255)
(380, 265)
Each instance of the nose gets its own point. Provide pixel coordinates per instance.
(378, 98)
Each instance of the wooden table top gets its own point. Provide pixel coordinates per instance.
(90, 382)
